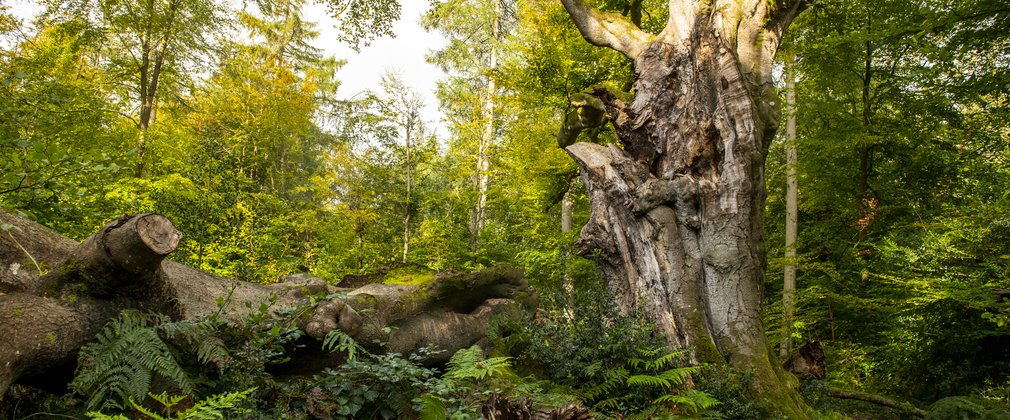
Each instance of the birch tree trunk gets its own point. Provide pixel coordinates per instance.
(406, 209)
(676, 213)
(488, 136)
(792, 215)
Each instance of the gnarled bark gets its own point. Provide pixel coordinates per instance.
(46, 318)
(676, 211)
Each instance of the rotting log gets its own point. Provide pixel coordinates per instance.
(55, 295)
(879, 400)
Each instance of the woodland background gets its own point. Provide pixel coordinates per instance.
(229, 126)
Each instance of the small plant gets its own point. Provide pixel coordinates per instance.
(469, 363)
(459, 392)
(211, 408)
(121, 363)
(338, 340)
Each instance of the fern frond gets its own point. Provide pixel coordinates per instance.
(665, 360)
(465, 357)
(122, 361)
(470, 364)
(609, 404)
(338, 340)
(691, 400)
(612, 380)
(95, 415)
(649, 381)
(676, 376)
(431, 407)
(213, 350)
(213, 408)
(145, 411)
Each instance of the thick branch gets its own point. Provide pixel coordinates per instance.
(681, 21)
(41, 337)
(607, 29)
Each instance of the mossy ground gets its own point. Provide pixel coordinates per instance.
(409, 275)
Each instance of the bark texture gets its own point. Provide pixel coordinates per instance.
(46, 317)
(676, 209)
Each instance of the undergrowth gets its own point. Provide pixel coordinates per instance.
(144, 365)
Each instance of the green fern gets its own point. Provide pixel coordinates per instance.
(470, 363)
(211, 408)
(612, 381)
(431, 407)
(200, 335)
(122, 361)
(338, 340)
(956, 407)
(666, 380)
(692, 400)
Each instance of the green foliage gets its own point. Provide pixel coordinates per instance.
(338, 340)
(902, 171)
(140, 353)
(122, 362)
(956, 408)
(212, 408)
(372, 386)
(612, 363)
(409, 275)
(469, 363)
(362, 21)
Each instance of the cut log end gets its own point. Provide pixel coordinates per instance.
(158, 233)
(138, 244)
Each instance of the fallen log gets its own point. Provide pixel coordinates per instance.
(879, 400)
(55, 295)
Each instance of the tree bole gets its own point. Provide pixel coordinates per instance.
(676, 211)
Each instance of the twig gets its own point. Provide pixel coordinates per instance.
(37, 267)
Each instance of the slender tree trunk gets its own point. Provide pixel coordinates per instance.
(144, 118)
(792, 215)
(866, 205)
(406, 210)
(150, 77)
(676, 213)
(566, 212)
(567, 282)
(488, 137)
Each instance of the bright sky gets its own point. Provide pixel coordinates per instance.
(405, 54)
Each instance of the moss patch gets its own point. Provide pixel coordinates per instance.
(409, 275)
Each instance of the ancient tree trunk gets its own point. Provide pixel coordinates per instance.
(46, 318)
(676, 214)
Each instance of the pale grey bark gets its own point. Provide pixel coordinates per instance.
(566, 212)
(792, 215)
(607, 29)
(487, 139)
(406, 209)
(676, 210)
